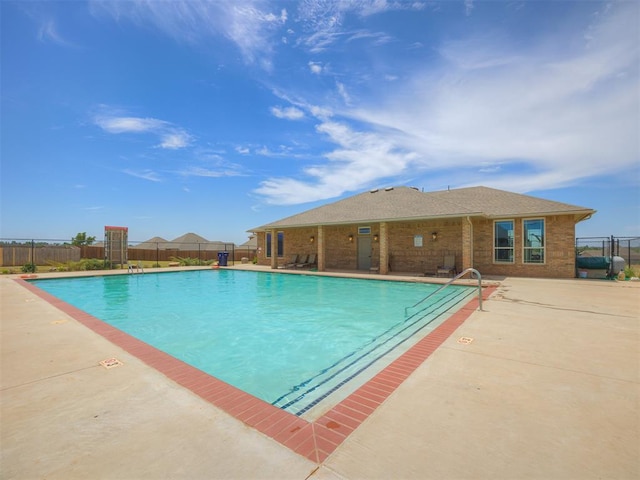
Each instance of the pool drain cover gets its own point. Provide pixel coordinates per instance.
(111, 363)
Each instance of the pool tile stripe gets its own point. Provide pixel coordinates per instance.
(312, 440)
(379, 355)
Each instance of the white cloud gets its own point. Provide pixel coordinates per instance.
(208, 172)
(129, 124)
(316, 67)
(377, 38)
(283, 151)
(324, 19)
(521, 119)
(171, 137)
(360, 159)
(175, 140)
(145, 175)
(568, 115)
(342, 91)
(247, 23)
(49, 31)
(289, 113)
(468, 7)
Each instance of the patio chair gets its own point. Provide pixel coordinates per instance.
(312, 260)
(448, 266)
(303, 261)
(291, 263)
(309, 261)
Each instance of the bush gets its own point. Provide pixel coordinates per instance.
(187, 261)
(58, 267)
(85, 264)
(630, 273)
(92, 264)
(29, 268)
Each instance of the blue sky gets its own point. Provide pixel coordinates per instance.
(215, 117)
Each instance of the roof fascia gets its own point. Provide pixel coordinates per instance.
(585, 213)
(363, 221)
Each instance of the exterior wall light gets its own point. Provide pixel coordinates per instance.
(375, 238)
(434, 235)
(351, 238)
(312, 239)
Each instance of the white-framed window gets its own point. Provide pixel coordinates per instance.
(364, 230)
(503, 241)
(533, 237)
(280, 245)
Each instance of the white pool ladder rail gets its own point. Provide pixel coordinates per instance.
(461, 274)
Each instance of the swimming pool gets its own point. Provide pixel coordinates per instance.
(291, 340)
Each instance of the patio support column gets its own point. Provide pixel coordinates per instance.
(321, 249)
(274, 249)
(467, 243)
(384, 249)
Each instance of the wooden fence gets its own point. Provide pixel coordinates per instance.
(18, 255)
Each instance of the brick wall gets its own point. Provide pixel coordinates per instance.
(405, 257)
(559, 250)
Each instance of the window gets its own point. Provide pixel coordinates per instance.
(364, 230)
(280, 244)
(503, 241)
(533, 236)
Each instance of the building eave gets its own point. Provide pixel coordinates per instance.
(364, 221)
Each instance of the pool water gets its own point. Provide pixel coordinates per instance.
(291, 340)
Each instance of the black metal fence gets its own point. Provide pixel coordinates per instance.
(18, 252)
(625, 247)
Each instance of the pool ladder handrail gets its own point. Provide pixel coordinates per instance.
(461, 274)
(139, 268)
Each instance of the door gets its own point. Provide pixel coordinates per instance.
(364, 252)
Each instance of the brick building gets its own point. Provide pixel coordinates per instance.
(405, 230)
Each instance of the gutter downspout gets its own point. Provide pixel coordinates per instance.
(274, 249)
(470, 240)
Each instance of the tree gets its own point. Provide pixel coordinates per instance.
(81, 239)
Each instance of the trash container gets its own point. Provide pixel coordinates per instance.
(222, 258)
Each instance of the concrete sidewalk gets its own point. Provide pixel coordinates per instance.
(548, 388)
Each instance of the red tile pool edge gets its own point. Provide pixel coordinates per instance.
(314, 440)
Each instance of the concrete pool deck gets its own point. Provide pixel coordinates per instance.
(545, 383)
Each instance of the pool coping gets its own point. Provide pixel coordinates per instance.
(314, 440)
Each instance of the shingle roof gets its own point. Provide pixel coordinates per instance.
(151, 243)
(407, 203)
(186, 242)
(500, 203)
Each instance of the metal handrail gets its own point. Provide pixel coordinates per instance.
(461, 274)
